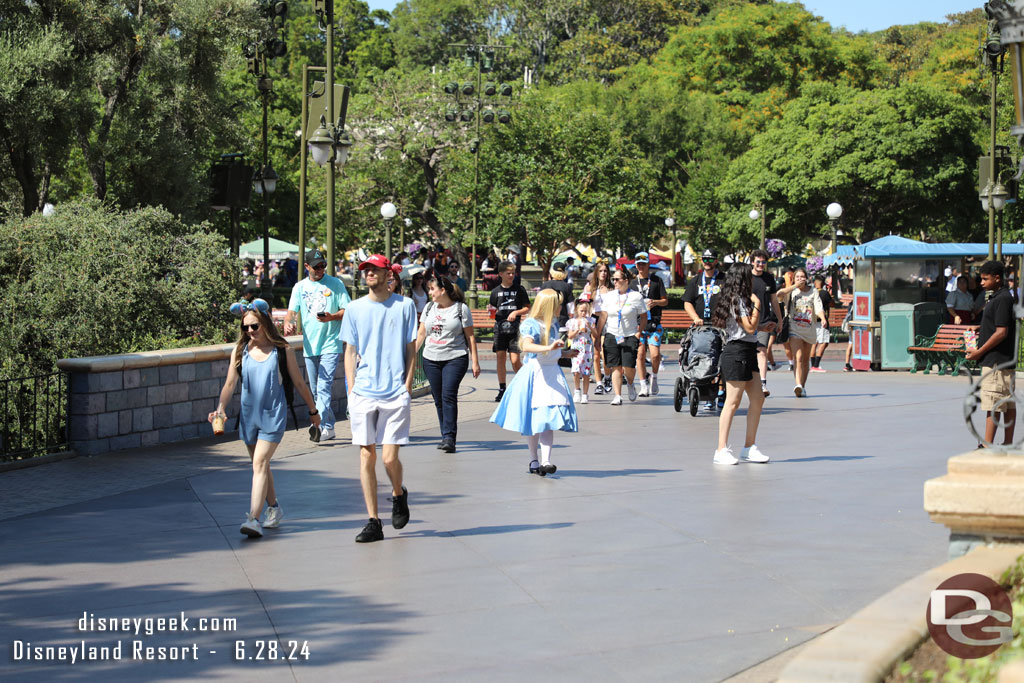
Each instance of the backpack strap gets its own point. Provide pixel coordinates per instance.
(286, 381)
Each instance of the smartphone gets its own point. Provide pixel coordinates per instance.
(321, 314)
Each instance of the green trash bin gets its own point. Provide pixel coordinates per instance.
(928, 315)
(897, 335)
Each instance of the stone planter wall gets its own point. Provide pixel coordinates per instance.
(157, 397)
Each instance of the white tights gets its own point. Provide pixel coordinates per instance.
(546, 439)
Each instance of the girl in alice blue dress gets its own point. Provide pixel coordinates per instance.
(537, 400)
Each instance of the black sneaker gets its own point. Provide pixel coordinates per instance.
(448, 446)
(549, 468)
(501, 392)
(373, 531)
(400, 510)
(848, 368)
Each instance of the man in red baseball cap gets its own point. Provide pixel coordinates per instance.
(380, 329)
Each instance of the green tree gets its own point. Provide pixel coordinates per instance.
(897, 159)
(556, 174)
(91, 280)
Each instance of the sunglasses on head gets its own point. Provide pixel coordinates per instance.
(252, 328)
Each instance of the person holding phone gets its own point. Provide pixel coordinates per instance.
(321, 300)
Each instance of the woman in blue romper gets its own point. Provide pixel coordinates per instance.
(263, 412)
(537, 401)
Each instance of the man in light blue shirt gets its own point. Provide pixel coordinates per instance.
(380, 329)
(321, 300)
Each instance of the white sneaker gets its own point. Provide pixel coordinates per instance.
(644, 388)
(798, 390)
(576, 398)
(654, 385)
(632, 392)
(617, 401)
(251, 527)
(326, 434)
(273, 516)
(724, 456)
(753, 454)
(583, 399)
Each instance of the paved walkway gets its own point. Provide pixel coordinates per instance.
(637, 561)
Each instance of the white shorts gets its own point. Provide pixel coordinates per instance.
(379, 421)
(823, 335)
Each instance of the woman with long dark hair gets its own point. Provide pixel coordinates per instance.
(738, 312)
(449, 346)
(262, 415)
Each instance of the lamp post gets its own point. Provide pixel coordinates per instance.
(834, 211)
(670, 223)
(477, 110)
(330, 143)
(756, 213)
(265, 179)
(387, 211)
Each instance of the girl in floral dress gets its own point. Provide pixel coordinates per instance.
(581, 331)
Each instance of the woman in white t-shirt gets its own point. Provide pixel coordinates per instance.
(806, 314)
(619, 327)
(449, 346)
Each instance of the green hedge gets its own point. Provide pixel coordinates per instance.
(91, 280)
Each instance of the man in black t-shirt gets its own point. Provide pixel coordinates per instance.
(701, 295)
(702, 291)
(823, 332)
(560, 284)
(653, 291)
(995, 351)
(510, 303)
(765, 288)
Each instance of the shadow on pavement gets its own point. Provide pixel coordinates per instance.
(825, 457)
(603, 474)
(489, 530)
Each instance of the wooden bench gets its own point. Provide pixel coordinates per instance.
(836, 316)
(675, 319)
(947, 349)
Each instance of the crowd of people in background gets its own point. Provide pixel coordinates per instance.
(607, 336)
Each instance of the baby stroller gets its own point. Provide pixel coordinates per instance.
(698, 366)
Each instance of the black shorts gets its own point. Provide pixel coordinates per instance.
(624, 354)
(506, 342)
(738, 362)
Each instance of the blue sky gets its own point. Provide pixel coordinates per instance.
(855, 15)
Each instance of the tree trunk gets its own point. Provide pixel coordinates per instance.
(21, 164)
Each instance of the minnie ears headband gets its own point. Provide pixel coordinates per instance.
(396, 268)
(239, 308)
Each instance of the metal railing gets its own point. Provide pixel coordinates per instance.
(33, 415)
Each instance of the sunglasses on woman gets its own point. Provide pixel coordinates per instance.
(253, 327)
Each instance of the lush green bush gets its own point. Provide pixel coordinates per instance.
(91, 280)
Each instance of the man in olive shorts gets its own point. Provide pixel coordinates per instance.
(996, 351)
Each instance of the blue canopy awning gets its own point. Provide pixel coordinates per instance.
(896, 247)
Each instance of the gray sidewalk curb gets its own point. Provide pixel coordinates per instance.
(869, 644)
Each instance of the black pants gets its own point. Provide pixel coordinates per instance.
(444, 377)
